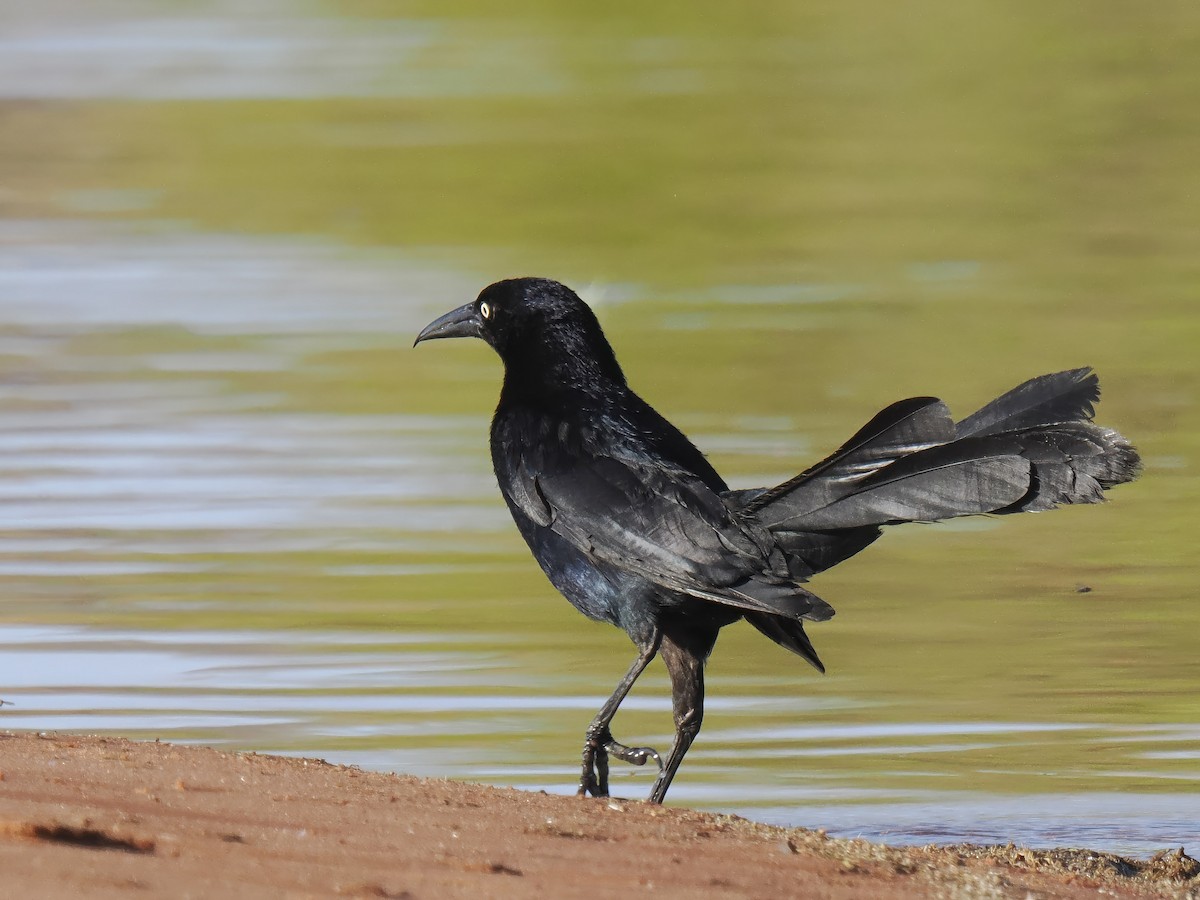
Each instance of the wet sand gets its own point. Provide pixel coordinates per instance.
(105, 817)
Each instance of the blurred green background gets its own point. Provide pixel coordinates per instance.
(236, 507)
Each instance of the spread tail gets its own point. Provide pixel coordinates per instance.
(1032, 449)
(1029, 450)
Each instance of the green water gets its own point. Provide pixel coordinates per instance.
(236, 507)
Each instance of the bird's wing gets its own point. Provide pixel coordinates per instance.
(662, 523)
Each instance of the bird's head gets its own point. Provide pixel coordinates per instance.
(539, 327)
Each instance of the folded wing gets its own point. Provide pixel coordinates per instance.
(666, 525)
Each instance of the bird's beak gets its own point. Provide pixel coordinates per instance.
(461, 322)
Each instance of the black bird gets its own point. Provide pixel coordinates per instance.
(635, 527)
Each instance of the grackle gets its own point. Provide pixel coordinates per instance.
(635, 527)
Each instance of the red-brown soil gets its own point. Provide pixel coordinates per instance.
(103, 817)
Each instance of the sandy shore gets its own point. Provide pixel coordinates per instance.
(105, 817)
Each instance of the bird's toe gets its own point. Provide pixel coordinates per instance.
(634, 755)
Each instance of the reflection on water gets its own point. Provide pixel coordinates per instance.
(235, 507)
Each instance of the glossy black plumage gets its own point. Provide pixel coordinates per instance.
(633, 525)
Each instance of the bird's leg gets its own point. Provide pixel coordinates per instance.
(599, 743)
(685, 664)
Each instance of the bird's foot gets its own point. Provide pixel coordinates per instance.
(594, 777)
(597, 748)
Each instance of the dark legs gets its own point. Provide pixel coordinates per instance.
(684, 651)
(599, 743)
(684, 654)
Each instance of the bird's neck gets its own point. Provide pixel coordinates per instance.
(564, 388)
(561, 373)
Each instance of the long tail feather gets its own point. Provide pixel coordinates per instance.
(1068, 396)
(902, 428)
(958, 479)
(1031, 449)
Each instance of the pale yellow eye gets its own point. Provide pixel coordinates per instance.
(485, 310)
